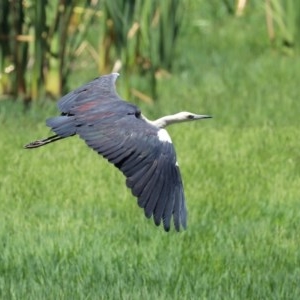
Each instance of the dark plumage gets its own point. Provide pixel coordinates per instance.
(140, 148)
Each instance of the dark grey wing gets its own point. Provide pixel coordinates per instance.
(115, 130)
(101, 89)
(148, 163)
(97, 95)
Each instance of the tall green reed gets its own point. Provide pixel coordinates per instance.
(39, 40)
(283, 23)
(141, 35)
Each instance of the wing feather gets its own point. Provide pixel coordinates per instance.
(166, 194)
(156, 183)
(141, 178)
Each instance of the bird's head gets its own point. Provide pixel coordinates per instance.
(188, 116)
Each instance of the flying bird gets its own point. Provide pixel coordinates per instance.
(141, 149)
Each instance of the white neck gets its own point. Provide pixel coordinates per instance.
(183, 116)
(167, 120)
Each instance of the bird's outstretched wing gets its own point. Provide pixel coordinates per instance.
(149, 164)
(115, 129)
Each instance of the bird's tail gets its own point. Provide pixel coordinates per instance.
(43, 142)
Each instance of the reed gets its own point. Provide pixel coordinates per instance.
(39, 40)
(142, 35)
(283, 23)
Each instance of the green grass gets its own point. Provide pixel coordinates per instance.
(69, 228)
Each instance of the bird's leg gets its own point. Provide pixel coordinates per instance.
(43, 142)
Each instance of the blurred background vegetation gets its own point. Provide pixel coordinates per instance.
(41, 41)
(44, 42)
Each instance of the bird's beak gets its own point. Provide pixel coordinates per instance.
(198, 117)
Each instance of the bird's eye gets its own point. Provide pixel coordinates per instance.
(190, 117)
(137, 114)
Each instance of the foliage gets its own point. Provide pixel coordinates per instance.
(39, 40)
(283, 21)
(141, 35)
(43, 40)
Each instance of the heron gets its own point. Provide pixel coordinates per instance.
(141, 149)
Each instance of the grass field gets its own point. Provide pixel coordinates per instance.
(69, 228)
